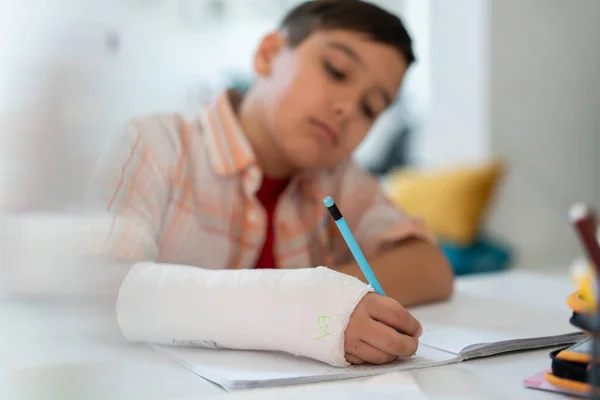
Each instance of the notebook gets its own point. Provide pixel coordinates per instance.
(466, 327)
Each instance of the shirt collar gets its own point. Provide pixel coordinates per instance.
(230, 152)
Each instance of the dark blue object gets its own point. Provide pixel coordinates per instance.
(484, 255)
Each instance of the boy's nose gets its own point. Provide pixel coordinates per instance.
(342, 109)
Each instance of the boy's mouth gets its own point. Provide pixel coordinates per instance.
(328, 133)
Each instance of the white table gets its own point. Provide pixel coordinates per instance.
(52, 350)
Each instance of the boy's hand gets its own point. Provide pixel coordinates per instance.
(371, 336)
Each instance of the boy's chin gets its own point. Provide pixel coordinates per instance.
(308, 162)
(310, 155)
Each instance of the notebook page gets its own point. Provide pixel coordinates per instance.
(469, 320)
(455, 339)
(236, 369)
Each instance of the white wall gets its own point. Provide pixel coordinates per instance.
(63, 90)
(519, 79)
(458, 106)
(545, 119)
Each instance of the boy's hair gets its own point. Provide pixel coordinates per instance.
(352, 15)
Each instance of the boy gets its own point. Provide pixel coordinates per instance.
(200, 205)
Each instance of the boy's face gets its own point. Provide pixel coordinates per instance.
(322, 97)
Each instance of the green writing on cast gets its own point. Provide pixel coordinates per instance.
(322, 327)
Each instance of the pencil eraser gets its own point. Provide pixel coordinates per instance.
(578, 211)
(328, 201)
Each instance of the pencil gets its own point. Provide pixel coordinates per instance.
(352, 245)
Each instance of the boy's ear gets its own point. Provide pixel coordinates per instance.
(268, 48)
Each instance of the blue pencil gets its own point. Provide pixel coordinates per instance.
(352, 245)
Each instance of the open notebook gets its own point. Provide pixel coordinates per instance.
(464, 328)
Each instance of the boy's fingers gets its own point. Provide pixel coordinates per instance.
(370, 354)
(354, 360)
(391, 313)
(388, 340)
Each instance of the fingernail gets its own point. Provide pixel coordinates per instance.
(419, 332)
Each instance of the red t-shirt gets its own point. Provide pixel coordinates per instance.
(268, 194)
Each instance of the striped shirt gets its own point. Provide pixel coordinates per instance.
(184, 192)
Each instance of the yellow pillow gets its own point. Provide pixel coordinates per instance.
(451, 201)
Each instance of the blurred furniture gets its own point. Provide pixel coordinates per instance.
(453, 203)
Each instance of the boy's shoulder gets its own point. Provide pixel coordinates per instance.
(161, 129)
(165, 135)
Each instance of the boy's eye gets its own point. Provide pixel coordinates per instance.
(367, 111)
(334, 72)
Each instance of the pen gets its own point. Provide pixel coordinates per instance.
(352, 245)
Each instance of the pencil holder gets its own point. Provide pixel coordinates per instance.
(593, 374)
(591, 325)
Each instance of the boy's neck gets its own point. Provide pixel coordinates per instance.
(269, 156)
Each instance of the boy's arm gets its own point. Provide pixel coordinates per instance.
(300, 311)
(413, 271)
(402, 253)
(130, 185)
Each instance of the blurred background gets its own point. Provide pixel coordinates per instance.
(495, 135)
